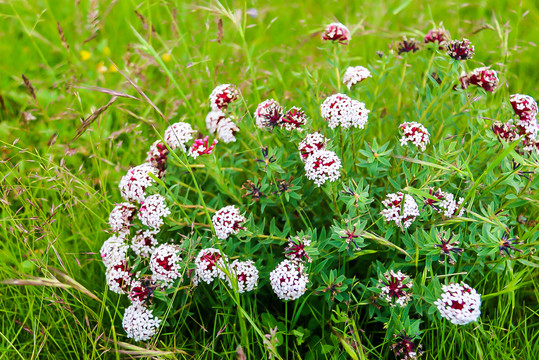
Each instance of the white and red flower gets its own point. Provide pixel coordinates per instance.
(121, 216)
(459, 303)
(178, 135)
(483, 77)
(523, 105)
(415, 133)
(227, 221)
(322, 166)
(152, 211)
(225, 127)
(402, 214)
(165, 264)
(144, 243)
(341, 110)
(133, 185)
(312, 143)
(294, 119)
(295, 250)
(354, 75)
(337, 32)
(269, 114)
(395, 288)
(223, 95)
(157, 157)
(289, 280)
(139, 323)
(244, 273)
(201, 147)
(210, 264)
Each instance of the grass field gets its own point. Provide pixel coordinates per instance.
(65, 142)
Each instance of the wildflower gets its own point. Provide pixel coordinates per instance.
(269, 114)
(121, 216)
(165, 264)
(406, 46)
(266, 158)
(144, 243)
(157, 157)
(459, 303)
(134, 183)
(252, 190)
(415, 133)
(178, 134)
(337, 32)
(339, 109)
(141, 292)
(218, 122)
(321, 166)
(394, 288)
(460, 49)
(139, 323)
(119, 275)
(354, 75)
(446, 204)
(295, 249)
(507, 244)
(505, 131)
(209, 265)
(447, 247)
(524, 106)
(527, 127)
(227, 221)
(405, 348)
(483, 77)
(223, 95)
(289, 280)
(294, 119)
(152, 211)
(312, 143)
(440, 35)
(401, 209)
(350, 237)
(201, 147)
(283, 186)
(245, 273)
(114, 247)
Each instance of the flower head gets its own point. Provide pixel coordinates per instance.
(133, 184)
(321, 166)
(341, 110)
(157, 157)
(401, 209)
(209, 263)
(252, 190)
(527, 127)
(119, 275)
(446, 204)
(460, 49)
(523, 105)
(295, 250)
(439, 35)
(505, 131)
(289, 280)
(354, 75)
(405, 348)
(115, 247)
(165, 264)
(311, 143)
(415, 133)
(223, 95)
(139, 323)
(177, 135)
(227, 221)
(459, 303)
(483, 77)
(507, 244)
(269, 114)
(121, 216)
(245, 273)
(337, 32)
(152, 211)
(447, 247)
(141, 292)
(201, 147)
(395, 288)
(407, 45)
(294, 119)
(144, 243)
(225, 127)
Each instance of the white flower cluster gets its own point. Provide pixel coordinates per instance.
(402, 214)
(223, 95)
(245, 274)
(268, 114)
(459, 303)
(295, 250)
(118, 275)
(528, 127)
(113, 248)
(321, 166)
(354, 75)
(289, 280)
(524, 105)
(152, 211)
(133, 184)
(415, 133)
(209, 263)
(201, 147)
(341, 110)
(139, 323)
(178, 135)
(120, 217)
(227, 221)
(337, 32)
(394, 288)
(225, 127)
(165, 264)
(448, 205)
(144, 242)
(312, 143)
(157, 157)
(294, 119)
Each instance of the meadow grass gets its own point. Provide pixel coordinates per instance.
(59, 179)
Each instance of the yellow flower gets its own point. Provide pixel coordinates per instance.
(113, 68)
(85, 55)
(166, 57)
(101, 68)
